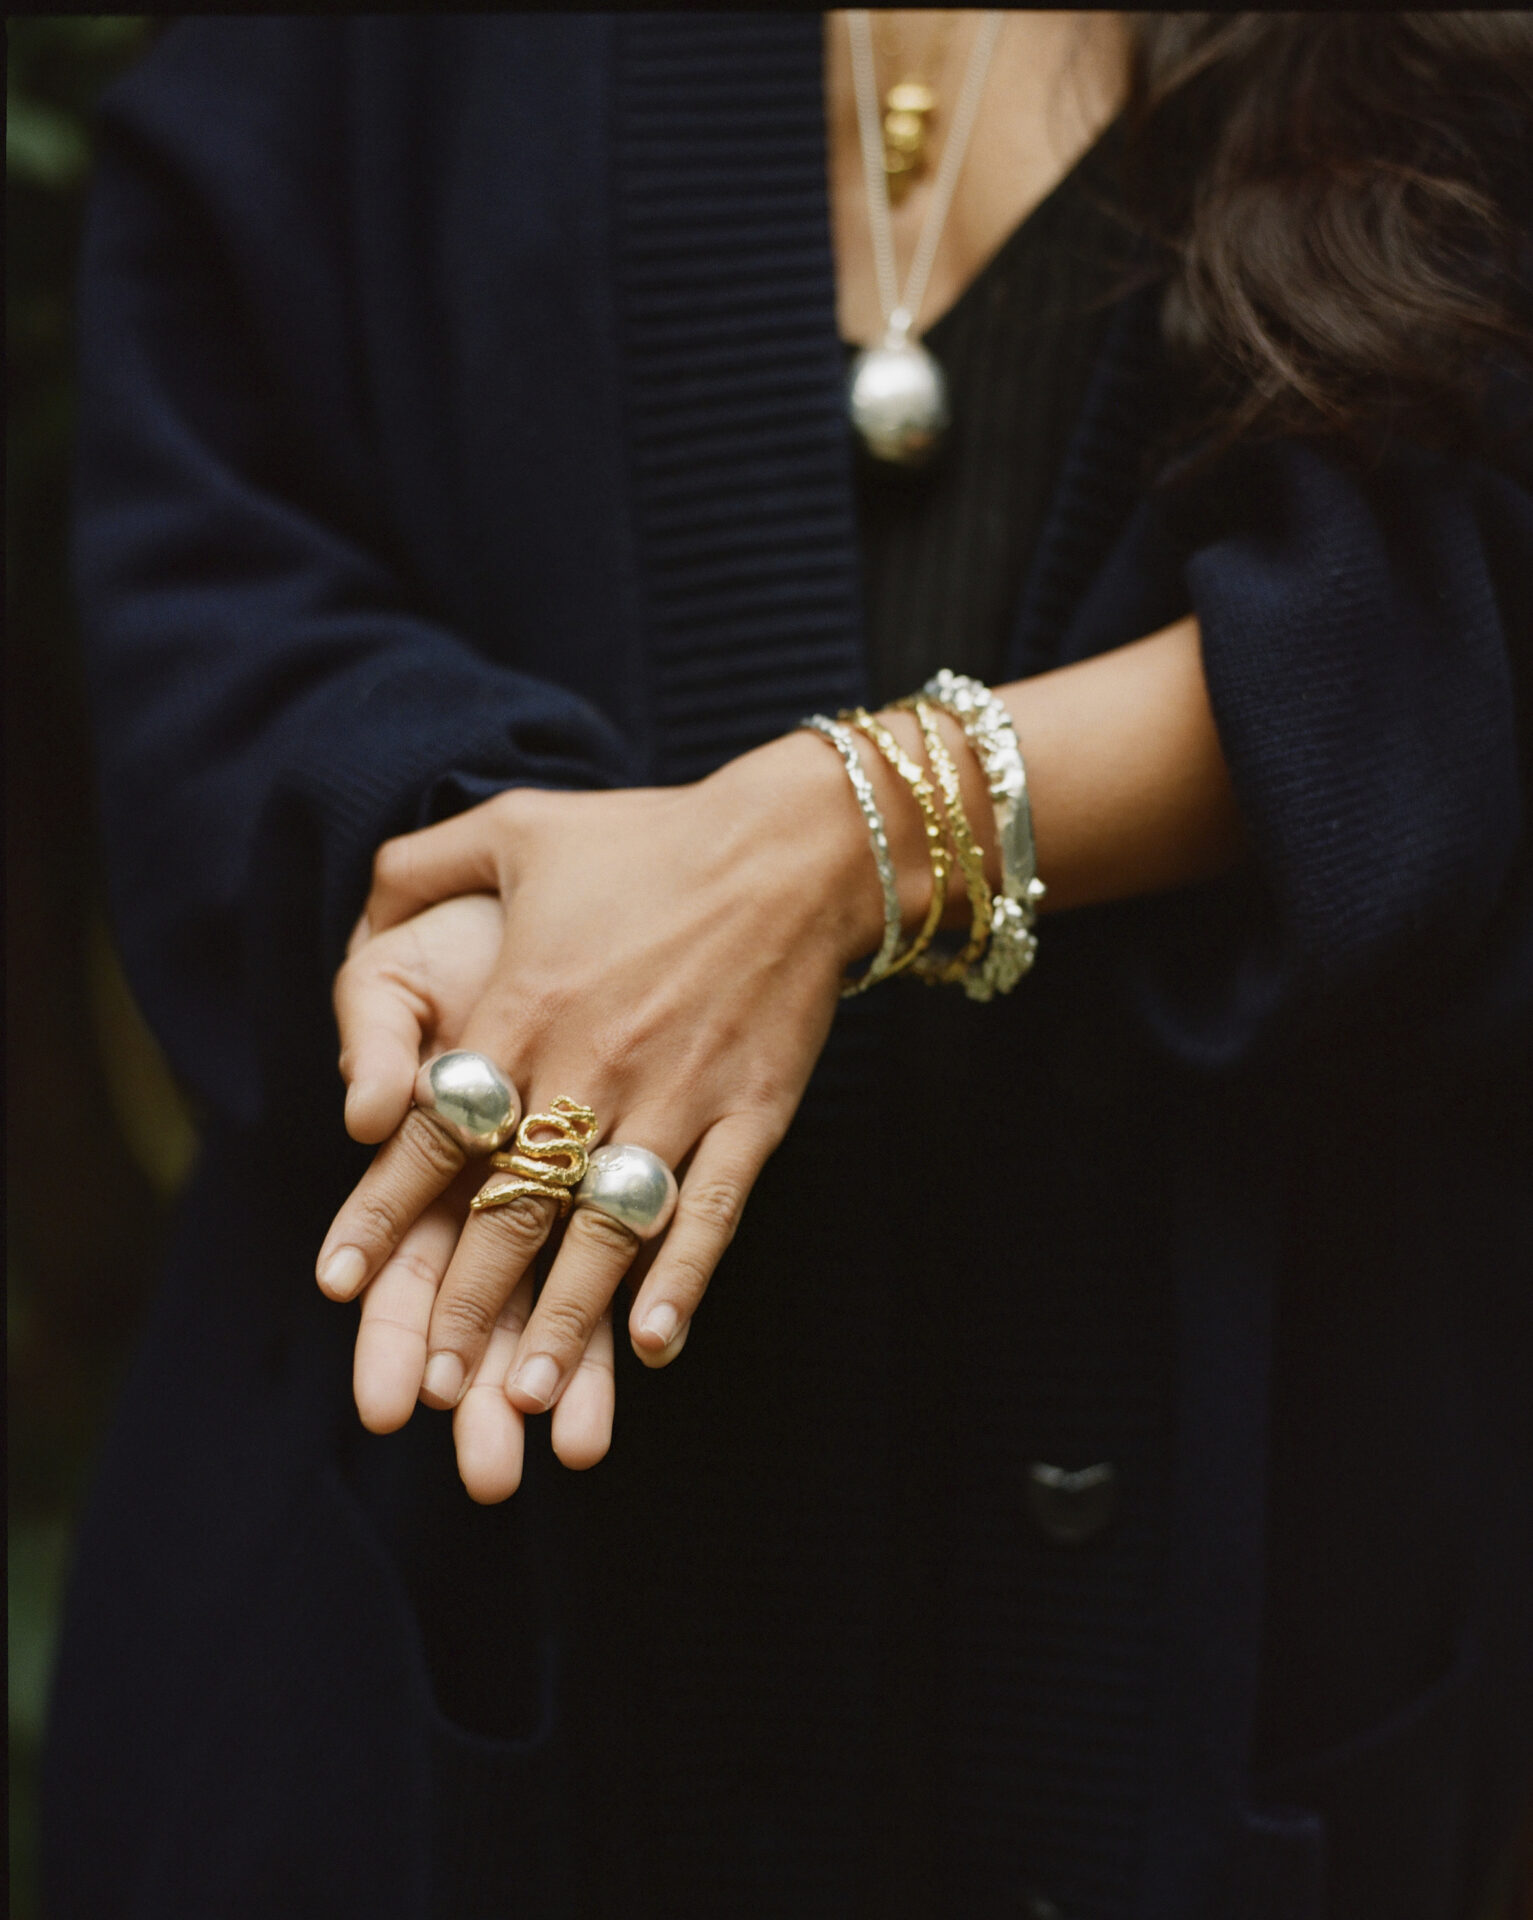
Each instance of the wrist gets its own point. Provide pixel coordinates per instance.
(814, 808)
(800, 797)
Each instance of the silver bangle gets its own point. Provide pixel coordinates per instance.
(842, 739)
(988, 728)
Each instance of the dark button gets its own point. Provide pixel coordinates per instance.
(1072, 1507)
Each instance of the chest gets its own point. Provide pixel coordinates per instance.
(600, 325)
(1051, 83)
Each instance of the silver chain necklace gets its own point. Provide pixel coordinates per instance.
(897, 395)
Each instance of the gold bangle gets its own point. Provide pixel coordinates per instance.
(971, 856)
(936, 839)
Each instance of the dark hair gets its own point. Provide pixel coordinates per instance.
(1340, 205)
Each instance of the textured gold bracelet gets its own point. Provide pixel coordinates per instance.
(936, 839)
(971, 856)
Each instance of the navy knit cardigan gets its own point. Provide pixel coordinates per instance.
(461, 407)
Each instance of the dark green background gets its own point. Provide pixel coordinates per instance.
(97, 1140)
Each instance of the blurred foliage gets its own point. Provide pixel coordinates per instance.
(54, 69)
(98, 1137)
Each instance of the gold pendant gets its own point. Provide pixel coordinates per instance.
(908, 105)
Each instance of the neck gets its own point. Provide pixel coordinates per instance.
(1055, 82)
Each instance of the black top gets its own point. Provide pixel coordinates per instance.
(945, 548)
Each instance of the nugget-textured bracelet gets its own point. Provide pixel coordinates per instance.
(931, 818)
(950, 969)
(841, 739)
(988, 728)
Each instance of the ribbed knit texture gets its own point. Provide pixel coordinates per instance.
(740, 452)
(1014, 1704)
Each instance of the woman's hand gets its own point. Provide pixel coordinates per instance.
(671, 958)
(406, 992)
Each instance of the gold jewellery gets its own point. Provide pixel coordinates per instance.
(971, 857)
(1001, 943)
(936, 839)
(897, 394)
(909, 105)
(548, 1161)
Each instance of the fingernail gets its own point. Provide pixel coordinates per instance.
(660, 1323)
(537, 1379)
(342, 1273)
(444, 1378)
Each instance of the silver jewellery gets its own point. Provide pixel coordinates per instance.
(897, 396)
(471, 1098)
(841, 739)
(630, 1185)
(1001, 945)
(989, 731)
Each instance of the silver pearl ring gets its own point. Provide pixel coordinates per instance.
(471, 1098)
(632, 1186)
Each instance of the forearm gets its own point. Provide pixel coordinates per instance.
(1128, 784)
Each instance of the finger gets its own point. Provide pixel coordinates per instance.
(655, 1357)
(381, 1020)
(495, 1252)
(410, 1170)
(487, 1430)
(418, 869)
(396, 1311)
(581, 1427)
(595, 1254)
(724, 1169)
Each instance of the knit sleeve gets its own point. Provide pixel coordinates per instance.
(272, 698)
(1367, 641)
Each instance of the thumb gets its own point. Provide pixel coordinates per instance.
(436, 863)
(379, 1019)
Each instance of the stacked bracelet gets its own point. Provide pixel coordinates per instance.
(953, 970)
(1001, 945)
(936, 836)
(989, 731)
(840, 738)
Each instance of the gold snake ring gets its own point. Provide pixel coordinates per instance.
(543, 1168)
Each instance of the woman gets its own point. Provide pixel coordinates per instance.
(1097, 1482)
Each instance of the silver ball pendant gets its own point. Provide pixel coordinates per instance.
(630, 1185)
(471, 1097)
(898, 402)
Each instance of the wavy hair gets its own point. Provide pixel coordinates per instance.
(1339, 203)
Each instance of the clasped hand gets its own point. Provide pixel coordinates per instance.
(670, 958)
